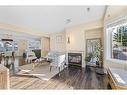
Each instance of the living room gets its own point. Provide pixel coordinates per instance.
(83, 47)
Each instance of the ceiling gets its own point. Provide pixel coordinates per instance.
(114, 11)
(49, 19)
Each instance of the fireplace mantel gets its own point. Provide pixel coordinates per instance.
(75, 51)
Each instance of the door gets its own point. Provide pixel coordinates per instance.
(93, 52)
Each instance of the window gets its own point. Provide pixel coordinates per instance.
(15, 46)
(119, 42)
(1, 46)
(7, 46)
(33, 45)
(117, 33)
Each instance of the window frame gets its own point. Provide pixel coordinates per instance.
(34, 48)
(108, 38)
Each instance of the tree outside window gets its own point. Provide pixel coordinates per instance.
(119, 42)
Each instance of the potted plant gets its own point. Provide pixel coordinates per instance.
(88, 57)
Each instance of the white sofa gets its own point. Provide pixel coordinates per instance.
(57, 60)
(52, 55)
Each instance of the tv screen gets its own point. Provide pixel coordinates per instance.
(37, 52)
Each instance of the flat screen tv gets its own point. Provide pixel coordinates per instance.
(37, 52)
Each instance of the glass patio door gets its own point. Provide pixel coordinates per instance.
(93, 52)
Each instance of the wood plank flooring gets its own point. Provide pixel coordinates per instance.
(69, 78)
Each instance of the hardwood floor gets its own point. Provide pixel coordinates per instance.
(69, 78)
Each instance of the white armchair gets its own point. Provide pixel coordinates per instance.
(58, 62)
(30, 56)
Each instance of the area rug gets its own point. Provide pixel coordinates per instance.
(41, 71)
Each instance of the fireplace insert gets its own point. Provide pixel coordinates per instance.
(75, 59)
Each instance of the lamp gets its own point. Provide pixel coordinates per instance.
(68, 40)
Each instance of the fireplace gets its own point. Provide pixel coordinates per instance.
(75, 59)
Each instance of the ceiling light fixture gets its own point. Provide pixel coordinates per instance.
(88, 9)
(68, 21)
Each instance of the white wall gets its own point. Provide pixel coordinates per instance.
(77, 34)
(22, 46)
(76, 40)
